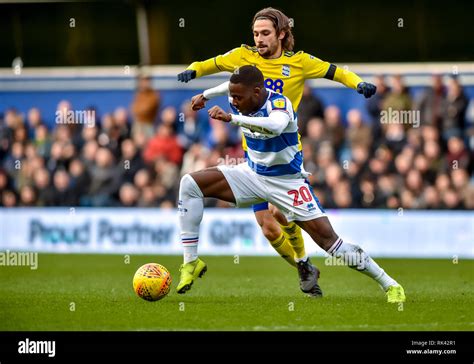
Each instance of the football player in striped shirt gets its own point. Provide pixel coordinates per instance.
(273, 172)
(284, 72)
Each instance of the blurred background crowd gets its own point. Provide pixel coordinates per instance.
(135, 155)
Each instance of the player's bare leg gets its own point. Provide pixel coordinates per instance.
(322, 233)
(192, 190)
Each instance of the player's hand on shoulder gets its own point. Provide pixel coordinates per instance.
(198, 102)
(366, 89)
(187, 75)
(216, 112)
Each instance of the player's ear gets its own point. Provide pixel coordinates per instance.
(281, 35)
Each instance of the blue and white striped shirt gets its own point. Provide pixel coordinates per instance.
(274, 155)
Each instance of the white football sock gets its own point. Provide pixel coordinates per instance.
(356, 258)
(303, 259)
(191, 208)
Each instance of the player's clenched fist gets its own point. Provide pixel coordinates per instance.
(198, 102)
(216, 112)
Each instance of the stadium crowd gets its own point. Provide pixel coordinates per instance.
(135, 156)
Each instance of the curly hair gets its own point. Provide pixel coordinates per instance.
(281, 23)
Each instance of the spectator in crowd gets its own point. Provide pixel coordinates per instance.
(432, 103)
(453, 123)
(163, 144)
(74, 126)
(5, 182)
(167, 173)
(28, 196)
(192, 126)
(63, 195)
(432, 153)
(42, 182)
(147, 197)
(105, 179)
(342, 194)
(88, 153)
(398, 98)
(442, 182)
(142, 179)
(9, 198)
(310, 107)
(144, 107)
(169, 117)
(12, 162)
(42, 141)
(369, 198)
(469, 198)
(194, 159)
(80, 178)
(431, 198)
(334, 127)
(316, 133)
(451, 200)
(375, 105)
(131, 160)
(469, 127)
(128, 195)
(395, 137)
(457, 154)
(111, 134)
(121, 123)
(34, 120)
(357, 133)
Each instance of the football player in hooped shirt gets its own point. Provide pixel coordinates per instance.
(284, 72)
(273, 172)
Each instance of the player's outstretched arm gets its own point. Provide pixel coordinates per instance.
(274, 124)
(226, 62)
(315, 68)
(350, 79)
(198, 102)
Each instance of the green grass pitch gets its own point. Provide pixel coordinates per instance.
(94, 292)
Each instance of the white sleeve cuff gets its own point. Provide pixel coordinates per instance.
(274, 124)
(221, 90)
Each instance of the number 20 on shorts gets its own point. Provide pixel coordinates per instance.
(303, 192)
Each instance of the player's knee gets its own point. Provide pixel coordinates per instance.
(189, 187)
(270, 228)
(277, 215)
(271, 232)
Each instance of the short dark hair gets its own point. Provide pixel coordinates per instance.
(280, 22)
(249, 76)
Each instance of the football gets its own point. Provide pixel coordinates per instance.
(152, 282)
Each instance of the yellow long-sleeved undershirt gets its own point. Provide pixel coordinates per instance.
(347, 78)
(209, 66)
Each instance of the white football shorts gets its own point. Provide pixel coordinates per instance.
(292, 195)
